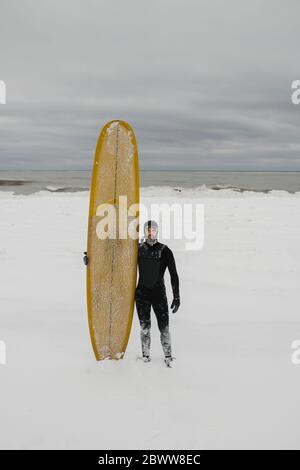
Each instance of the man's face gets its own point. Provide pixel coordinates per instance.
(151, 233)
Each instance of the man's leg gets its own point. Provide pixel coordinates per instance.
(160, 307)
(143, 307)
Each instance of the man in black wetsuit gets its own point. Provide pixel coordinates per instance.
(153, 259)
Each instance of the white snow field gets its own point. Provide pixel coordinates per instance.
(233, 384)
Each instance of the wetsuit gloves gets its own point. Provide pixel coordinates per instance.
(85, 258)
(175, 304)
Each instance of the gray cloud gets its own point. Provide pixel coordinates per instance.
(205, 84)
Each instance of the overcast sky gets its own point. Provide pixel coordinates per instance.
(205, 84)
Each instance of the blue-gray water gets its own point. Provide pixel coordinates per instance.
(27, 182)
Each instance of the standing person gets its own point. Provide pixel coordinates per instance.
(153, 259)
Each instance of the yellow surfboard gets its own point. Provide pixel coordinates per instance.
(112, 266)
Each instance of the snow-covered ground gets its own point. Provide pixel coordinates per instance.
(233, 384)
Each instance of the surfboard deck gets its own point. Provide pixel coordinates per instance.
(112, 266)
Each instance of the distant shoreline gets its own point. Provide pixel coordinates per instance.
(158, 171)
(58, 181)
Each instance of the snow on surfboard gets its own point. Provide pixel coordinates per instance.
(112, 266)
